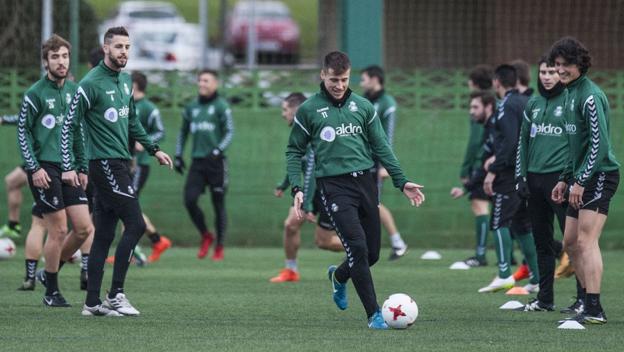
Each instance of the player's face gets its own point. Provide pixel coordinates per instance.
(117, 51)
(207, 84)
(288, 112)
(57, 63)
(567, 71)
(336, 84)
(477, 110)
(366, 82)
(548, 76)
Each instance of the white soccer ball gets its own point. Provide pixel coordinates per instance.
(76, 257)
(399, 311)
(7, 248)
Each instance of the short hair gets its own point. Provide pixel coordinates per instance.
(572, 51)
(203, 71)
(95, 56)
(523, 71)
(506, 75)
(113, 31)
(295, 99)
(140, 79)
(54, 43)
(486, 96)
(375, 71)
(337, 61)
(481, 76)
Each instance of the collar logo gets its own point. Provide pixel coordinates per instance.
(558, 111)
(352, 106)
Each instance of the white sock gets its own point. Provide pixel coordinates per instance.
(291, 264)
(397, 241)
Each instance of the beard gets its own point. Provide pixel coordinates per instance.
(115, 61)
(57, 75)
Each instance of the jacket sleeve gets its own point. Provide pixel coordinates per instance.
(389, 122)
(184, 130)
(382, 151)
(595, 110)
(473, 149)
(523, 144)
(507, 140)
(155, 126)
(227, 126)
(72, 134)
(309, 185)
(297, 143)
(25, 139)
(137, 132)
(9, 119)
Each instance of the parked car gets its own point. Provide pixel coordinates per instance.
(135, 13)
(277, 33)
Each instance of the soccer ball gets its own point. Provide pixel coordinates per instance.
(7, 248)
(399, 311)
(76, 257)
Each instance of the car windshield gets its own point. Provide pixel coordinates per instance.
(151, 14)
(160, 37)
(264, 12)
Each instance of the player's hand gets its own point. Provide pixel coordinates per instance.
(489, 162)
(522, 187)
(178, 165)
(298, 201)
(84, 180)
(70, 178)
(164, 159)
(457, 192)
(413, 192)
(310, 217)
(41, 179)
(382, 173)
(138, 147)
(488, 184)
(278, 192)
(576, 196)
(558, 192)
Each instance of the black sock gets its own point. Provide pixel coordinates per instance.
(154, 237)
(84, 262)
(592, 304)
(93, 298)
(580, 291)
(61, 263)
(115, 290)
(51, 283)
(13, 224)
(31, 268)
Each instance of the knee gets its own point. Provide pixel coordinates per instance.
(291, 226)
(322, 241)
(190, 201)
(57, 233)
(84, 232)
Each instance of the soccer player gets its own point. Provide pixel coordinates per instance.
(209, 119)
(33, 248)
(523, 73)
(509, 213)
(105, 106)
(149, 115)
(592, 172)
(372, 82)
(346, 136)
(471, 175)
(324, 235)
(542, 155)
(14, 181)
(44, 109)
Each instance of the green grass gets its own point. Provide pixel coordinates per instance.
(191, 305)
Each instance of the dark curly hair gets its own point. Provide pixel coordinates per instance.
(572, 51)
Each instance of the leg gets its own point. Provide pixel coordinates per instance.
(82, 228)
(590, 224)
(292, 240)
(134, 227)
(105, 221)
(327, 240)
(481, 210)
(14, 181)
(542, 217)
(32, 252)
(56, 224)
(387, 220)
(218, 203)
(194, 187)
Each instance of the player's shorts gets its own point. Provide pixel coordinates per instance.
(139, 178)
(322, 219)
(59, 195)
(207, 172)
(478, 193)
(112, 183)
(509, 210)
(35, 211)
(598, 192)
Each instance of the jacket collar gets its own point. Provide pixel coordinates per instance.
(334, 101)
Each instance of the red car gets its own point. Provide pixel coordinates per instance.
(277, 33)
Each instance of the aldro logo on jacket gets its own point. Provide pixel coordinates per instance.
(329, 133)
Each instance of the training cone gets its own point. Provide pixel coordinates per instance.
(459, 266)
(511, 305)
(431, 255)
(519, 291)
(571, 325)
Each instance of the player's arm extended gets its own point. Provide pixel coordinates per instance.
(382, 151)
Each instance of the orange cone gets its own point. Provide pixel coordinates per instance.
(517, 291)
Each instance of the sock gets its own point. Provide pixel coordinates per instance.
(502, 240)
(291, 264)
(116, 288)
(84, 265)
(51, 283)
(580, 291)
(61, 264)
(527, 244)
(482, 231)
(154, 237)
(13, 225)
(592, 304)
(31, 268)
(397, 241)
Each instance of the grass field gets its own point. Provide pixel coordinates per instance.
(191, 305)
